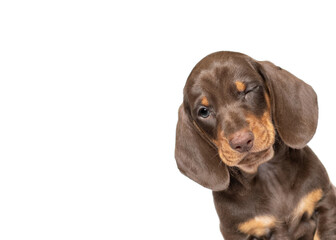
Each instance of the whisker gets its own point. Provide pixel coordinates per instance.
(216, 155)
(220, 162)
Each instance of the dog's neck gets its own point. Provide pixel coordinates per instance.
(241, 181)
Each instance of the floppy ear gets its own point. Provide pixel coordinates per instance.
(196, 158)
(294, 105)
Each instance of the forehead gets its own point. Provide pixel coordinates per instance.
(220, 76)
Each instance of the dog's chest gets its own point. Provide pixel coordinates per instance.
(272, 205)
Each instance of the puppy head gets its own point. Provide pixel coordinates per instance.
(236, 105)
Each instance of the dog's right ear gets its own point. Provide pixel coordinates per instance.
(196, 158)
(294, 105)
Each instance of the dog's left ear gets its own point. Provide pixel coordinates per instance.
(196, 159)
(294, 105)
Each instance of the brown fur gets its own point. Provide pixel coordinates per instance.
(274, 189)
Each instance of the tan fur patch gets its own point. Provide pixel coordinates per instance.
(263, 131)
(308, 203)
(228, 156)
(240, 86)
(268, 101)
(205, 102)
(316, 236)
(258, 226)
(264, 136)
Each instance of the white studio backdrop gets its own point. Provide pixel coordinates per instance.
(88, 107)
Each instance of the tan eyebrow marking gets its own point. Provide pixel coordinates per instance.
(240, 86)
(258, 226)
(205, 102)
(308, 203)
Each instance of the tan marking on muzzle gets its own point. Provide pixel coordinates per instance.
(263, 131)
(226, 153)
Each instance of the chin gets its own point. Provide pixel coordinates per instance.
(252, 161)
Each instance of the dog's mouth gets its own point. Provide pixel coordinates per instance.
(252, 161)
(249, 161)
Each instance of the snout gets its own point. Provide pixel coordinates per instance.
(241, 141)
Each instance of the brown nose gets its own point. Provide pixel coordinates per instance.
(241, 141)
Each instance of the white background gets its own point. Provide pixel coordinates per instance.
(88, 107)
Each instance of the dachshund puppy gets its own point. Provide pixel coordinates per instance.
(242, 132)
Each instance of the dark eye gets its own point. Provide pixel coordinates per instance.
(252, 89)
(250, 92)
(203, 112)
